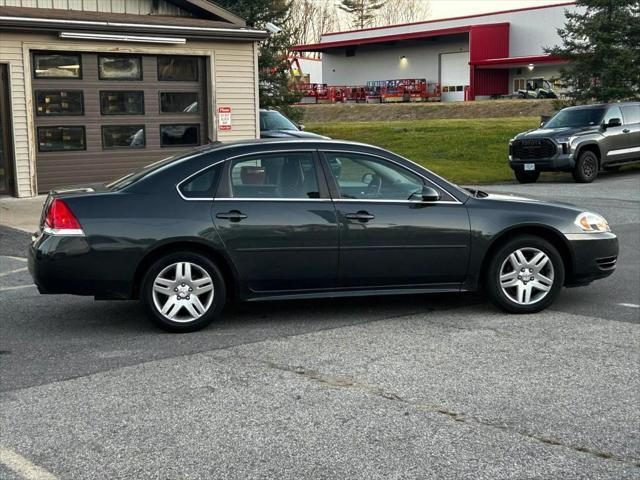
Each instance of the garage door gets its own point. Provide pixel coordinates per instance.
(454, 75)
(99, 116)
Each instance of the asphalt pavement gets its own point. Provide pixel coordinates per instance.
(404, 387)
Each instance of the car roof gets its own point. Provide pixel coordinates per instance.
(603, 105)
(269, 141)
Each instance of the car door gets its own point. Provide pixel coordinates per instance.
(631, 115)
(616, 138)
(278, 224)
(388, 236)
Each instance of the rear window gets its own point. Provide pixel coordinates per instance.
(631, 114)
(135, 176)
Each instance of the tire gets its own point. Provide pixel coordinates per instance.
(526, 177)
(169, 284)
(586, 169)
(548, 278)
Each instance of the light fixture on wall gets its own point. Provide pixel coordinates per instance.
(531, 66)
(403, 58)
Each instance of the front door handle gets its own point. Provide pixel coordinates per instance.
(233, 215)
(626, 130)
(361, 216)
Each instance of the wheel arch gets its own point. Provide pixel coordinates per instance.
(591, 146)
(550, 234)
(190, 245)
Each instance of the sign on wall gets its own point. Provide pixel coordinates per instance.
(224, 118)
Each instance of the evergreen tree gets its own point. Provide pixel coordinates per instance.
(602, 41)
(273, 75)
(363, 11)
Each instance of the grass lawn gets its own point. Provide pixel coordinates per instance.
(464, 151)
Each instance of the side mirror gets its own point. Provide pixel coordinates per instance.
(430, 194)
(300, 126)
(614, 122)
(542, 124)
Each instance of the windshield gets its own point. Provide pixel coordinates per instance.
(275, 121)
(576, 117)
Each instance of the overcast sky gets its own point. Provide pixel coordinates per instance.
(457, 8)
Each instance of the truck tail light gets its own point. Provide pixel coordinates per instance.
(60, 220)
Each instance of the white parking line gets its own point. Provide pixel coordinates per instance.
(629, 305)
(20, 259)
(17, 270)
(24, 467)
(17, 287)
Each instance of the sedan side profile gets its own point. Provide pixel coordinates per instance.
(300, 219)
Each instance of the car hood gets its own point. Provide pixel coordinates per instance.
(289, 134)
(496, 197)
(555, 132)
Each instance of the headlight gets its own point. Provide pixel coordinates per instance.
(591, 222)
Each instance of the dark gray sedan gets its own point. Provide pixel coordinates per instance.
(284, 219)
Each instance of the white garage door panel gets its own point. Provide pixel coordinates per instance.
(454, 72)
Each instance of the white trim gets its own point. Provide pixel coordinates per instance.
(68, 232)
(623, 151)
(122, 38)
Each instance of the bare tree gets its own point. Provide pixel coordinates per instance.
(309, 19)
(403, 11)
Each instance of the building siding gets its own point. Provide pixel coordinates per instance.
(134, 7)
(232, 70)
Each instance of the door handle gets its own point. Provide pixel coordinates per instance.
(361, 216)
(626, 130)
(233, 215)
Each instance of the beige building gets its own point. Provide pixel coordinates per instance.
(91, 89)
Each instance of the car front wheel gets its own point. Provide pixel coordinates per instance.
(183, 292)
(525, 275)
(526, 177)
(586, 168)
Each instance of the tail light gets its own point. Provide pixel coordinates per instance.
(60, 220)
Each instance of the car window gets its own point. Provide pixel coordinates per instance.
(202, 185)
(613, 112)
(370, 178)
(631, 114)
(288, 175)
(275, 121)
(576, 117)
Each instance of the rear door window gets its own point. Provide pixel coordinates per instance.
(631, 114)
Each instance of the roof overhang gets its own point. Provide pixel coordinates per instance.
(323, 46)
(515, 62)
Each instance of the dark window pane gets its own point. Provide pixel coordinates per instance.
(202, 185)
(179, 102)
(56, 65)
(292, 175)
(123, 136)
(59, 139)
(178, 69)
(59, 102)
(119, 67)
(179, 135)
(122, 103)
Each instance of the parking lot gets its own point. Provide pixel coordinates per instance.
(403, 387)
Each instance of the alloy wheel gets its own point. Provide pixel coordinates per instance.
(589, 166)
(183, 292)
(526, 276)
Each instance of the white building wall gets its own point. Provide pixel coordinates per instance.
(313, 68)
(378, 62)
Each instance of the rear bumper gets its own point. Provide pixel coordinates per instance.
(595, 256)
(561, 162)
(67, 265)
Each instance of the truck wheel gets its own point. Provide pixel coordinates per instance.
(526, 177)
(586, 169)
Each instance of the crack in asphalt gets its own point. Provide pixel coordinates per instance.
(345, 382)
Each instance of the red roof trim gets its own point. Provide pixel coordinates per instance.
(390, 38)
(516, 60)
(453, 18)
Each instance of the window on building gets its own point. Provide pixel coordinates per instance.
(119, 67)
(56, 65)
(59, 102)
(179, 135)
(122, 102)
(288, 175)
(519, 84)
(123, 136)
(177, 68)
(61, 139)
(179, 102)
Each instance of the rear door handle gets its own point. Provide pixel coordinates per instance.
(361, 216)
(233, 215)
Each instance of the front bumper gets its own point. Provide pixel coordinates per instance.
(561, 162)
(595, 256)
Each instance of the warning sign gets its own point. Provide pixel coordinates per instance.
(224, 118)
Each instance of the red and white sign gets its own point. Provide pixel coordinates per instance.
(224, 118)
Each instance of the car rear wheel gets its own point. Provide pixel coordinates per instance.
(586, 168)
(525, 275)
(526, 177)
(183, 292)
